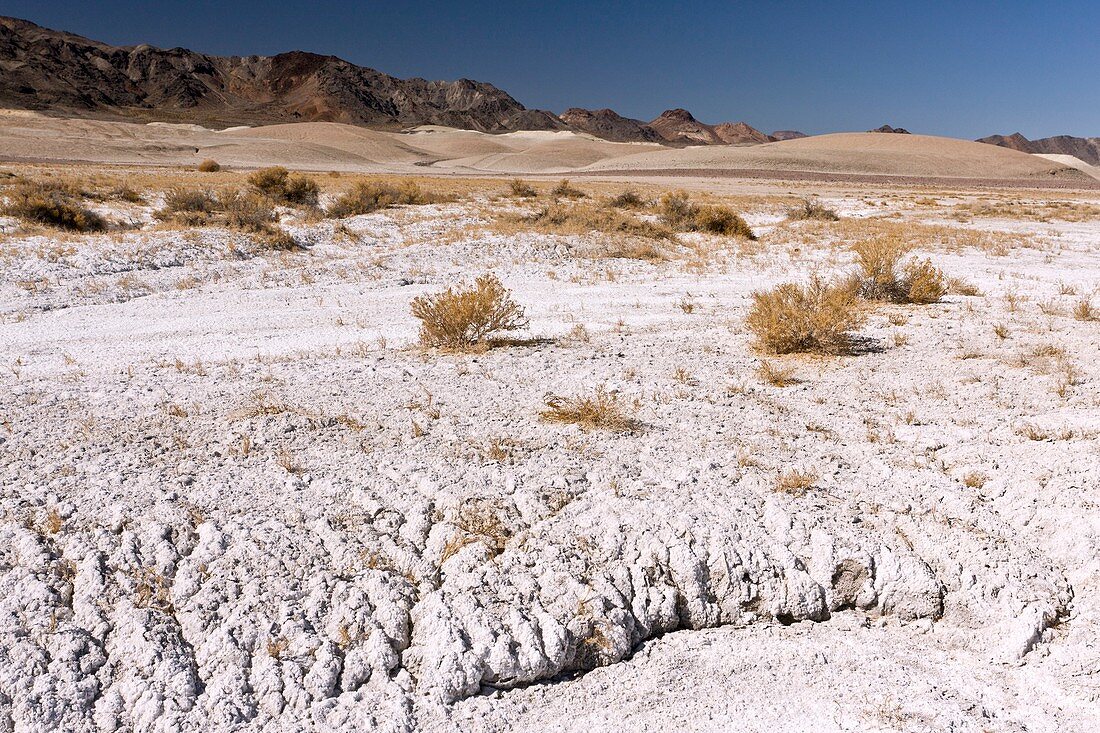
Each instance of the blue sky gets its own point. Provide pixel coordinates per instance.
(964, 69)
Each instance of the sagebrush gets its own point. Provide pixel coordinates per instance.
(462, 317)
(817, 317)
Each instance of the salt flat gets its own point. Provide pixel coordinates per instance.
(238, 495)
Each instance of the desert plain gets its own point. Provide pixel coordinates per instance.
(239, 491)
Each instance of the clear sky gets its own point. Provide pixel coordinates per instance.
(964, 69)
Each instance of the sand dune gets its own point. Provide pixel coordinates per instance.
(334, 146)
(851, 153)
(1073, 162)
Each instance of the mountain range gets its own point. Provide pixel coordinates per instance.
(63, 73)
(1084, 148)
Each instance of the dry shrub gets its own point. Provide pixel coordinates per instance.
(583, 219)
(1084, 311)
(279, 184)
(628, 199)
(269, 181)
(458, 318)
(677, 211)
(188, 206)
(127, 194)
(522, 189)
(600, 410)
(52, 204)
(366, 197)
(879, 261)
(721, 220)
(811, 209)
(817, 317)
(923, 283)
(566, 190)
(209, 166)
(248, 212)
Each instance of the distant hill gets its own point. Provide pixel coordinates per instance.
(1084, 148)
(609, 125)
(680, 126)
(60, 72)
(788, 135)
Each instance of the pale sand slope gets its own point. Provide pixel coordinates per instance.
(852, 153)
(307, 145)
(332, 146)
(1073, 162)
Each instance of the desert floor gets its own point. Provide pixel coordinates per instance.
(237, 494)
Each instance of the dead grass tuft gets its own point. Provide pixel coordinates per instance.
(1083, 310)
(209, 166)
(776, 375)
(817, 317)
(795, 482)
(600, 410)
(459, 318)
(811, 209)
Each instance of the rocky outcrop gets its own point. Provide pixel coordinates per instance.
(891, 130)
(1083, 148)
(788, 135)
(680, 126)
(740, 133)
(609, 125)
(57, 71)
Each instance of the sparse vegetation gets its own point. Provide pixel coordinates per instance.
(678, 212)
(567, 190)
(367, 197)
(628, 199)
(1083, 310)
(602, 410)
(278, 184)
(776, 375)
(245, 212)
(811, 209)
(209, 166)
(583, 219)
(795, 482)
(817, 317)
(51, 204)
(459, 318)
(522, 189)
(879, 260)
